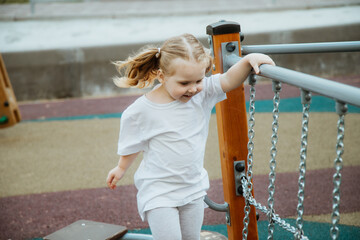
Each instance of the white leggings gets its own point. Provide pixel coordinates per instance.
(177, 223)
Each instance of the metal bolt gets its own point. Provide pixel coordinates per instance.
(240, 167)
(345, 108)
(230, 47)
(240, 190)
(242, 36)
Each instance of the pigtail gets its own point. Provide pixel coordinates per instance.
(138, 71)
(141, 70)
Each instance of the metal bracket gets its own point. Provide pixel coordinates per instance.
(219, 207)
(276, 86)
(227, 218)
(341, 108)
(252, 79)
(227, 49)
(239, 173)
(305, 97)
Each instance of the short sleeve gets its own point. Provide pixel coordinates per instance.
(130, 137)
(213, 91)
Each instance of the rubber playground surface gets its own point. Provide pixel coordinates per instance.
(54, 163)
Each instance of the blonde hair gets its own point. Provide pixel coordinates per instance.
(141, 69)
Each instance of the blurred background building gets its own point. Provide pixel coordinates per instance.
(63, 48)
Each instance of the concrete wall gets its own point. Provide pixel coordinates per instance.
(78, 72)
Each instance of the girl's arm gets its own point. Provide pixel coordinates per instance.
(118, 172)
(238, 73)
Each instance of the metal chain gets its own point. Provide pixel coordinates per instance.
(247, 182)
(273, 152)
(251, 134)
(306, 100)
(335, 216)
(276, 218)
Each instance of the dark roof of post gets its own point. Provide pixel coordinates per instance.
(223, 27)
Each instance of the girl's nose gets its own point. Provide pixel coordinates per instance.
(193, 88)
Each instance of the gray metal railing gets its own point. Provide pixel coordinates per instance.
(337, 91)
(323, 47)
(136, 236)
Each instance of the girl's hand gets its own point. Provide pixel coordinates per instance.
(114, 176)
(238, 73)
(256, 59)
(118, 172)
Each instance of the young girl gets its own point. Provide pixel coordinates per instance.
(169, 125)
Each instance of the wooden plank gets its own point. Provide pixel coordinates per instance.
(9, 110)
(233, 139)
(84, 229)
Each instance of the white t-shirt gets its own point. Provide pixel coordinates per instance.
(172, 137)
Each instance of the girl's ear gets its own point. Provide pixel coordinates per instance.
(160, 76)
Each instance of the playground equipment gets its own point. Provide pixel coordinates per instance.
(9, 111)
(236, 136)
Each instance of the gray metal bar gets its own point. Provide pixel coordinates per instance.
(219, 207)
(216, 206)
(136, 236)
(326, 47)
(338, 91)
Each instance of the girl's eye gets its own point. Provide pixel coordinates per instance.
(198, 81)
(184, 83)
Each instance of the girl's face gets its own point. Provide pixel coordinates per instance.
(186, 81)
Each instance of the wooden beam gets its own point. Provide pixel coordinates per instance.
(9, 110)
(233, 134)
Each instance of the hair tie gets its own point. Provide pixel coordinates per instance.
(157, 55)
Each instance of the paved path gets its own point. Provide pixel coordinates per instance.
(42, 214)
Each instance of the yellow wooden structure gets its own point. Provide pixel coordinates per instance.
(233, 133)
(9, 110)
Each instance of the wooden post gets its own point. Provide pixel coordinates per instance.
(232, 132)
(9, 111)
